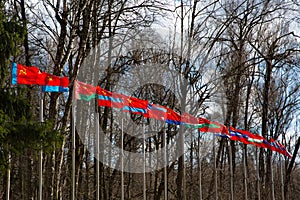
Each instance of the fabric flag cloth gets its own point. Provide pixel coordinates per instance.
(189, 121)
(27, 75)
(206, 125)
(284, 150)
(135, 105)
(274, 146)
(222, 135)
(84, 91)
(248, 138)
(173, 117)
(278, 147)
(109, 99)
(55, 84)
(238, 136)
(157, 112)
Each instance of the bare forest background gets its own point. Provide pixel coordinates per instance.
(241, 61)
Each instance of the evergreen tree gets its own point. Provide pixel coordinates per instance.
(11, 33)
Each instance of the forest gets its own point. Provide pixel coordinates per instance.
(221, 67)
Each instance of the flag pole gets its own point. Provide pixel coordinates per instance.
(8, 176)
(97, 149)
(73, 145)
(272, 178)
(144, 164)
(281, 178)
(41, 150)
(97, 154)
(199, 163)
(245, 172)
(166, 165)
(215, 168)
(231, 171)
(257, 174)
(122, 160)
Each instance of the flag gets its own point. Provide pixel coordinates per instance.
(248, 138)
(155, 111)
(173, 117)
(33, 76)
(278, 147)
(189, 121)
(64, 84)
(239, 135)
(206, 125)
(27, 75)
(135, 105)
(275, 146)
(255, 139)
(284, 151)
(55, 84)
(243, 136)
(222, 135)
(84, 91)
(110, 99)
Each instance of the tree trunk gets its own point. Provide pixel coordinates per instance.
(264, 129)
(289, 170)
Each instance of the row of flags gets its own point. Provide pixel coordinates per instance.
(33, 76)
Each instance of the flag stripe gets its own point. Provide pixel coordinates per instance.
(134, 110)
(108, 98)
(14, 74)
(86, 97)
(51, 88)
(201, 126)
(169, 121)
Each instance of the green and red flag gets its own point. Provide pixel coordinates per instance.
(84, 91)
(189, 121)
(206, 125)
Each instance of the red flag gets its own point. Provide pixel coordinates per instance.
(103, 97)
(248, 138)
(238, 135)
(257, 140)
(155, 111)
(284, 151)
(33, 76)
(110, 99)
(27, 75)
(54, 83)
(52, 80)
(135, 105)
(276, 146)
(64, 82)
(173, 117)
(189, 119)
